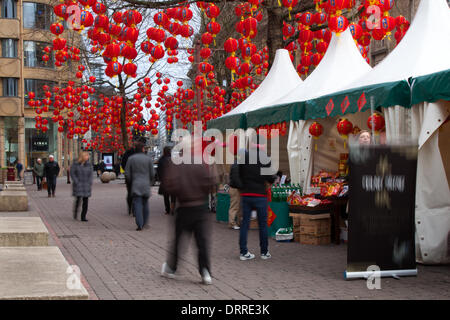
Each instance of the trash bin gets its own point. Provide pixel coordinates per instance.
(11, 174)
(223, 205)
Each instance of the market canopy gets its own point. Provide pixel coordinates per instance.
(341, 65)
(280, 80)
(421, 58)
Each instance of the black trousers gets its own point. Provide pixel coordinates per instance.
(84, 207)
(168, 199)
(39, 182)
(190, 220)
(129, 197)
(51, 185)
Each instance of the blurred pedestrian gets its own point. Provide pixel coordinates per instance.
(234, 213)
(38, 170)
(190, 184)
(254, 196)
(102, 167)
(139, 173)
(19, 168)
(81, 173)
(163, 163)
(51, 172)
(364, 137)
(123, 164)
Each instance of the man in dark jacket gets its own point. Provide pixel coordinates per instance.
(254, 197)
(163, 164)
(123, 164)
(51, 172)
(140, 174)
(190, 184)
(81, 173)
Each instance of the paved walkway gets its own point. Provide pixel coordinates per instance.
(118, 262)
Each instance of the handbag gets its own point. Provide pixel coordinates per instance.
(44, 184)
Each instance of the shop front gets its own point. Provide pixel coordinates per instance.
(39, 144)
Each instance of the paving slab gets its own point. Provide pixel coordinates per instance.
(37, 273)
(13, 201)
(23, 232)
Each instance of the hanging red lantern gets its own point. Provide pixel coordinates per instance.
(205, 53)
(86, 19)
(289, 4)
(356, 30)
(344, 127)
(213, 28)
(338, 24)
(207, 39)
(160, 19)
(288, 30)
(157, 52)
(231, 45)
(56, 28)
(376, 122)
(316, 130)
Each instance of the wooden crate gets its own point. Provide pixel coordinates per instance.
(315, 240)
(254, 224)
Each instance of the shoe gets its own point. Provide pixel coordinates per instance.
(206, 277)
(49, 195)
(247, 256)
(167, 272)
(266, 256)
(235, 227)
(84, 220)
(139, 229)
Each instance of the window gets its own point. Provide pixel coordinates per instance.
(10, 87)
(37, 15)
(35, 85)
(9, 48)
(9, 9)
(33, 52)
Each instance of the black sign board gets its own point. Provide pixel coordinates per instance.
(40, 143)
(381, 208)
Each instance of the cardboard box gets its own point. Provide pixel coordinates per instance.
(314, 240)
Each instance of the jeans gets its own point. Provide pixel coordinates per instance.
(260, 205)
(84, 207)
(168, 202)
(140, 208)
(190, 220)
(39, 182)
(51, 185)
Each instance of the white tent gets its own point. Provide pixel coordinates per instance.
(281, 79)
(341, 64)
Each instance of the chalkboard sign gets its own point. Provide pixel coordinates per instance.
(381, 208)
(28, 178)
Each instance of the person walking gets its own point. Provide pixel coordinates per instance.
(123, 164)
(38, 170)
(102, 167)
(51, 172)
(19, 168)
(234, 213)
(139, 173)
(81, 173)
(254, 196)
(163, 163)
(190, 184)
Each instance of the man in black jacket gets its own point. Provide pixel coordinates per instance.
(51, 172)
(254, 197)
(163, 165)
(123, 164)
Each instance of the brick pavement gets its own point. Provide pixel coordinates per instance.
(119, 263)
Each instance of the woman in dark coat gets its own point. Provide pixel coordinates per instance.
(81, 174)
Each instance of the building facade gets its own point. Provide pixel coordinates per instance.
(24, 33)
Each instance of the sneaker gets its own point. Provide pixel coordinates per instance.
(235, 227)
(247, 256)
(206, 277)
(266, 256)
(167, 272)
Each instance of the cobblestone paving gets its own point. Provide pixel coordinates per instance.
(118, 262)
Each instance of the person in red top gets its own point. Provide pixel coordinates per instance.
(254, 197)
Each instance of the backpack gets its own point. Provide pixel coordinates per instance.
(235, 177)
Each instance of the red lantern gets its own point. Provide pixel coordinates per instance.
(56, 28)
(207, 39)
(376, 122)
(316, 130)
(288, 30)
(205, 53)
(157, 52)
(344, 127)
(289, 4)
(356, 30)
(213, 28)
(231, 45)
(338, 24)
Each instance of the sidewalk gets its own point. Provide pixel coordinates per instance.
(121, 263)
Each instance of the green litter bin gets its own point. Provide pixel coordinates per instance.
(223, 204)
